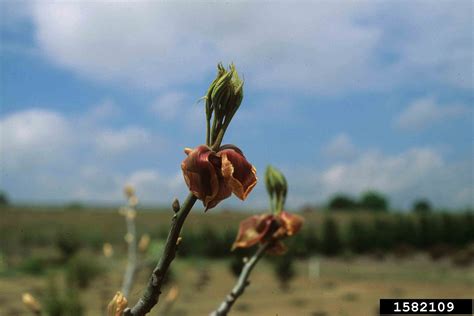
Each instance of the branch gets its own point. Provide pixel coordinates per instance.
(242, 282)
(153, 289)
(132, 252)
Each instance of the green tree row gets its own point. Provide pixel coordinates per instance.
(372, 201)
(386, 233)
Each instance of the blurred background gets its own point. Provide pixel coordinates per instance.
(366, 107)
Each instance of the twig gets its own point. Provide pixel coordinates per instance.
(242, 282)
(153, 289)
(132, 253)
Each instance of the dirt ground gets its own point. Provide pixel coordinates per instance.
(335, 287)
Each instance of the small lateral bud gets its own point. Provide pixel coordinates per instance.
(175, 205)
(108, 250)
(117, 305)
(172, 294)
(129, 191)
(245, 259)
(144, 242)
(178, 241)
(31, 303)
(128, 238)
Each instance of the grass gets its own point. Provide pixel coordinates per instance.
(37, 225)
(345, 286)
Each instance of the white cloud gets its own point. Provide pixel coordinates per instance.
(434, 40)
(180, 109)
(96, 184)
(122, 140)
(386, 173)
(41, 142)
(152, 186)
(169, 105)
(104, 110)
(33, 137)
(340, 147)
(92, 183)
(424, 112)
(415, 173)
(322, 47)
(46, 155)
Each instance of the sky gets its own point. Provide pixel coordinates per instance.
(341, 96)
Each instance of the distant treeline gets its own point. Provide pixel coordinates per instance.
(383, 233)
(211, 235)
(373, 201)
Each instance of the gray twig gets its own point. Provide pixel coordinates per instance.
(242, 282)
(132, 253)
(153, 290)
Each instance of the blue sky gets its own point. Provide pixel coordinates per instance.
(342, 96)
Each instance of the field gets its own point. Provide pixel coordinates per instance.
(342, 285)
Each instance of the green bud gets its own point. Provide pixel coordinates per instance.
(223, 99)
(277, 188)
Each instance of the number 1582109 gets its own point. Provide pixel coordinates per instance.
(426, 307)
